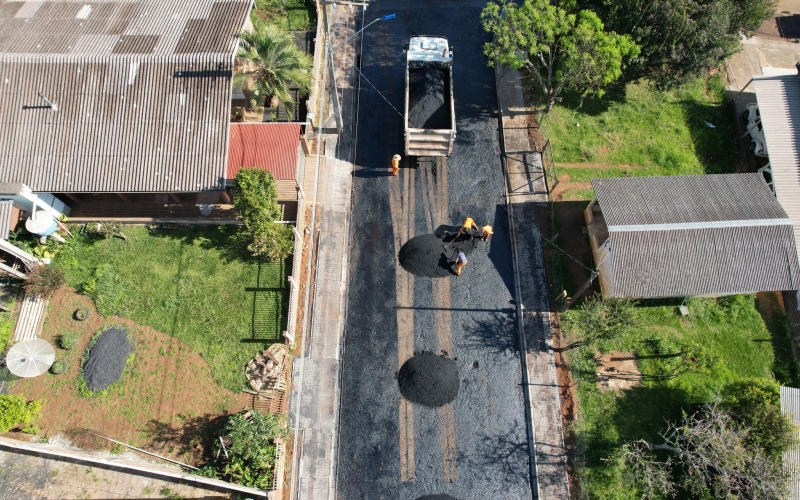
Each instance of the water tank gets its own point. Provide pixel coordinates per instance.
(41, 224)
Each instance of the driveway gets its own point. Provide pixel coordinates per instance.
(475, 447)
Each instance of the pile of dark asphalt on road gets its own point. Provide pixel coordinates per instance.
(429, 256)
(429, 379)
(428, 106)
(107, 358)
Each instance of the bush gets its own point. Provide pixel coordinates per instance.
(68, 340)
(44, 281)
(256, 201)
(16, 411)
(108, 291)
(252, 450)
(273, 244)
(599, 319)
(756, 405)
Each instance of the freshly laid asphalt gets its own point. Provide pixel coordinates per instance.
(482, 432)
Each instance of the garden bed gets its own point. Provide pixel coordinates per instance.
(166, 401)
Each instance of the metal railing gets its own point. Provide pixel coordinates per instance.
(297, 256)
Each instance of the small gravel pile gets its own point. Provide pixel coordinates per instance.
(428, 106)
(429, 380)
(426, 256)
(106, 360)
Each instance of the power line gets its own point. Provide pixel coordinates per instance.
(378, 91)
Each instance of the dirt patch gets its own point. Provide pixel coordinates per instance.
(564, 186)
(617, 371)
(429, 379)
(166, 402)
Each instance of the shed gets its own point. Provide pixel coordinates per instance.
(702, 235)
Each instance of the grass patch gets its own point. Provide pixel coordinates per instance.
(6, 325)
(192, 283)
(728, 340)
(657, 133)
(288, 15)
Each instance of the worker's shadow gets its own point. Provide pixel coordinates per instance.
(449, 235)
(447, 264)
(372, 173)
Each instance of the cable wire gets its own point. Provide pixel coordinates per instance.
(379, 92)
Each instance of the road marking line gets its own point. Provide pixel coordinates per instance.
(448, 438)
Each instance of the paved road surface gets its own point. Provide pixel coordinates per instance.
(475, 447)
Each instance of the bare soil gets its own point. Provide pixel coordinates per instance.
(617, 371)
(166, 402)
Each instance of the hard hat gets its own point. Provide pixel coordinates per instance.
(396, 157)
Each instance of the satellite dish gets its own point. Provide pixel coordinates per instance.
(30, 358)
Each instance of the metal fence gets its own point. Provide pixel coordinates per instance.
(550, 174)
(294, 279)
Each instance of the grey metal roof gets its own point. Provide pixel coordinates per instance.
(790, 405)
(142, 91)
(157, 27)
(779, 103)
(631, 201)
(707, 261)
(6, 207)
(696, 235)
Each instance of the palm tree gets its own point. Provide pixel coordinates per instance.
(272, 65)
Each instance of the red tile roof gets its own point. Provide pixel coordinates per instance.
(270, 146)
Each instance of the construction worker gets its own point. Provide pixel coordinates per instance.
(461, 261)
(469, 225)
(486, 231)
(395, 164)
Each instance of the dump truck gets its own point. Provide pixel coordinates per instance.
(430, 118)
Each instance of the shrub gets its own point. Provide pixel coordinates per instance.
(275, 243)
(598, 319)
(256, 201)
(44, 281)
(756, 405)
(68, 340)
(16, 411)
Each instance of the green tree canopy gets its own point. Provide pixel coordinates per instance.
(256, 202)
(560, 45)
(681, 38)
(273, 64)
(16, 410)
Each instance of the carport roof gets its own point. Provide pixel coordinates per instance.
(779, 103)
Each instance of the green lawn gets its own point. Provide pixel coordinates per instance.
(194, 283)
(6, 325)
(288, 15)
(653, 132)
(728, 339)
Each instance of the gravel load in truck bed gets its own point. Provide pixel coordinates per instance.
(428, 98)
(106, 360)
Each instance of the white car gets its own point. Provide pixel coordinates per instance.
(752, 115)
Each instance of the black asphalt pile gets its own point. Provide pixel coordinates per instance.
(428, 106)
(106, 360)
(426, 255)
(429, 379)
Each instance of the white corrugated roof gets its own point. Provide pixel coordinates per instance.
(779, 103)
(790, 405)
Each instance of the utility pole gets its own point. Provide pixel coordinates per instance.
(568, 303)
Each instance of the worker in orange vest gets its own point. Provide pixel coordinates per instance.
(468, 225)
(395, 164)
(486, 231)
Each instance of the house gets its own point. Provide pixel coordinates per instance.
(116, 97)
(702, 235)
(274, 147)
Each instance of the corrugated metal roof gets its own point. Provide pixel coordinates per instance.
(779, 103)
(68, 27)
(707, 261)
(6, 207)
(790, 405)
(627, 201)
(143, 99)
(269, 146)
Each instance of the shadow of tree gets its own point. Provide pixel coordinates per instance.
(193, 438)
(496, 332)
(593, 105)
(503, 458)
(231, 241)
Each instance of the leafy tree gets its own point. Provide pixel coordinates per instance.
(710, 455)
(44, 281)
(16, 411)
(755, 404)
(598, 319)
(256, 201)
(251, 454)
(272, 65)
(679, 39)
(560, 45)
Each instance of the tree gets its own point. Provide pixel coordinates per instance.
(272, 65)
(715, 456)
(680, 39)
(15, 411)
(755, 404)
(256, 201)
(598, 319)
(561, 46)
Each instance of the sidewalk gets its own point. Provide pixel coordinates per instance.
(526, 196)
(314, 407)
